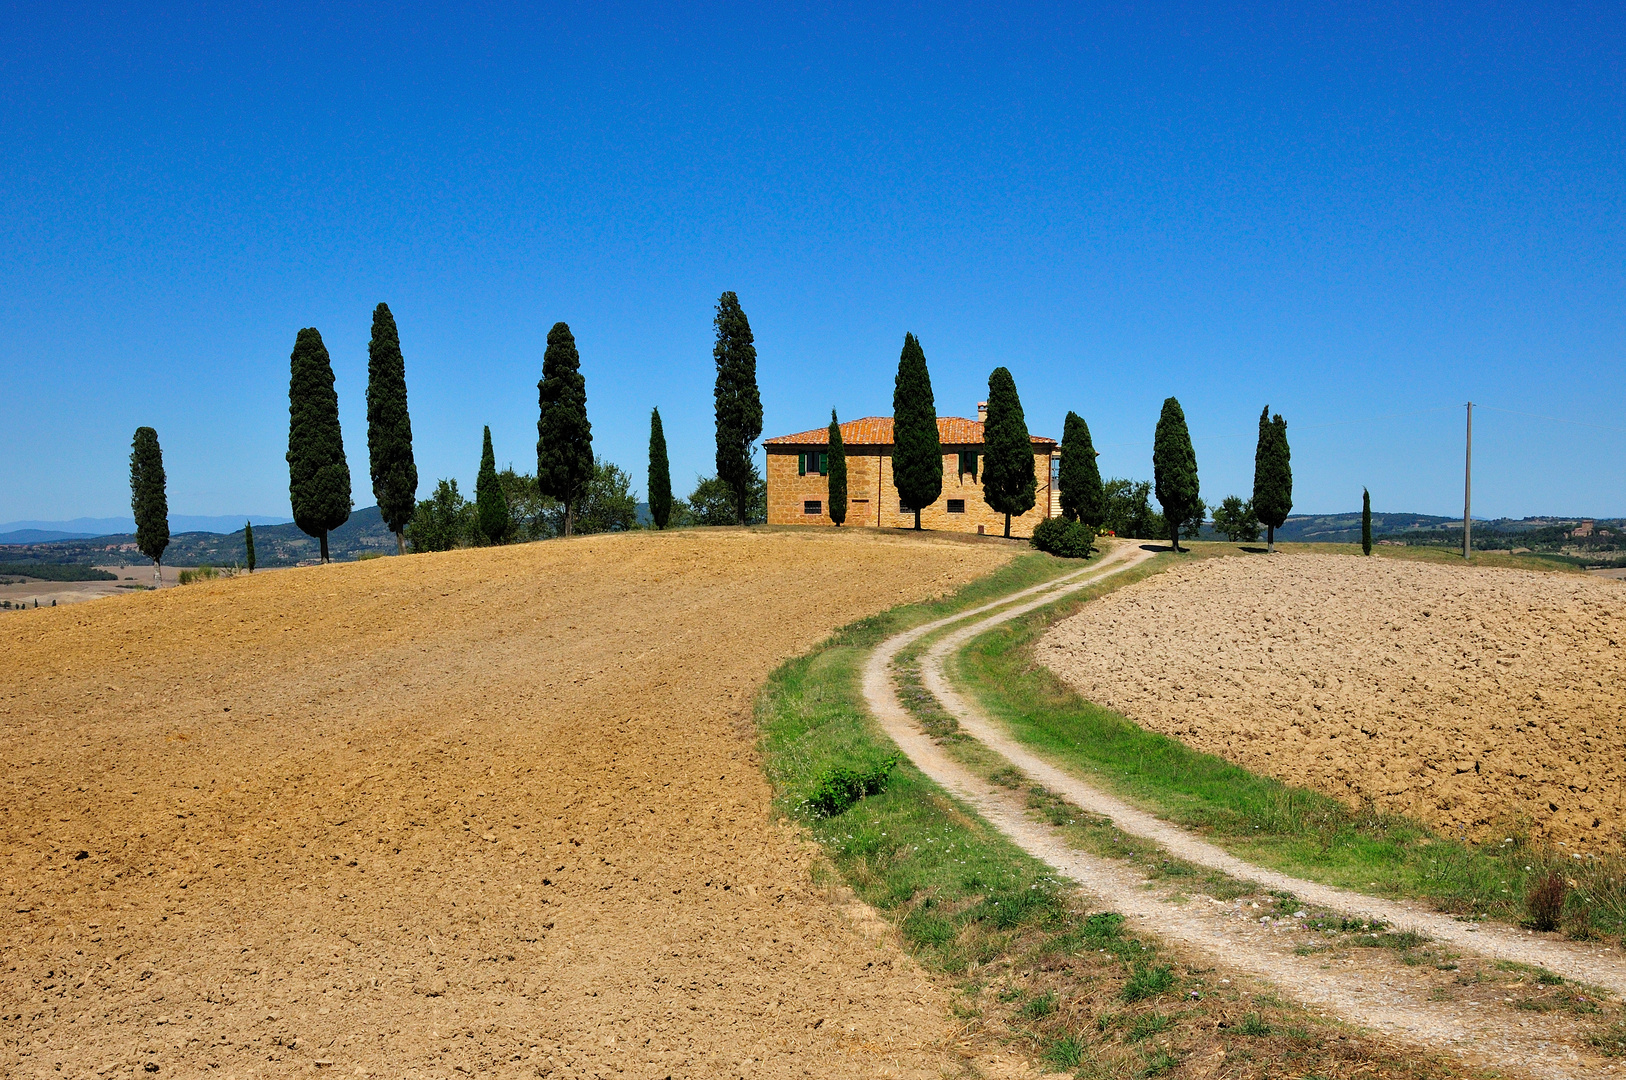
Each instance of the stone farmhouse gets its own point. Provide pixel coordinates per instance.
(799, 484)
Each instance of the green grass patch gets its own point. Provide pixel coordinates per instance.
(1288, 828)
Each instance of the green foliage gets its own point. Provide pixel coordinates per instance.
(248, 545)
(838, 473)
(1235, 520)
(1192, 527)
(389, 427)
(1174, 469)
(148, 499)
(1272, 474)
(840, 787)
(441, 522)
(738, 403)
(564, 438)
(491, 507)
(531, 514)
(609, 505)
(1067, 539)
(201, 573)
(55, 572)
(1008, 482)
(660, 473)
(917, 455)
(318, 474)
(712, 501)
(1082, 496)
(1366, 522)
(1129, 509)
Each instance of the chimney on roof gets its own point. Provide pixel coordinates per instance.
(982, 412)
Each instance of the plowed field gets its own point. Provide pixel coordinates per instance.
(1471, 698)
(491, 811)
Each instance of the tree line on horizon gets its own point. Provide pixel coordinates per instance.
(575, 491)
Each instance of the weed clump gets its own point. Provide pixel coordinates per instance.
(840, 787)
(1545, 902)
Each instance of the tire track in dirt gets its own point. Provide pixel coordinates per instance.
(1352, 996)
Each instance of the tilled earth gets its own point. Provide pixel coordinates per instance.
(492, 812)
(1473, 698)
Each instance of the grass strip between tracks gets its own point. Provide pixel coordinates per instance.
(1034, 967)
(1263, 820)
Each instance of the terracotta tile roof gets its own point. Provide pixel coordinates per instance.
(877, 431)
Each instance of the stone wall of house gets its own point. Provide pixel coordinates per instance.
(873, 501)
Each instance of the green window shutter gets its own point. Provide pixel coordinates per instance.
(801, 464)
(824, 464)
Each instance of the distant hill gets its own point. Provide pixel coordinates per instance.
(86, 528)
(274, 545)
(40, 536)
(1346, 528)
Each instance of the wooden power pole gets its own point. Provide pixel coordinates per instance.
(1468, 490)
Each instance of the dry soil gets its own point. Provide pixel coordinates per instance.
(1472, 698)
(493, 812)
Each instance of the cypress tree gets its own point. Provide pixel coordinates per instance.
(318, 475)
(389, 428)
(564, 438)
(1082, 496)
(660, 473)
(149, 501)
(491, 506)
(1174, 469)
(248, 544)
(917, 451)
(739, 405)
(1008, 483)
(838, 473)
(1366, 522)
(1272, 476)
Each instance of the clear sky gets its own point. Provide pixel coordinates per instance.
(1346, 210)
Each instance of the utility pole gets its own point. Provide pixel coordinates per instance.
(1468, 490)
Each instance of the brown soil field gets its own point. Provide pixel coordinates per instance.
(489, 812)
(1474, 699)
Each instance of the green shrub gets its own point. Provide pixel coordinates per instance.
(1063, 538)
(840, 787)
(202, 573)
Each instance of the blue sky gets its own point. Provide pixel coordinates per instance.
(1348, 211)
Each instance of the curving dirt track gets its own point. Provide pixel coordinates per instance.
(493, 812)
(1472, 698)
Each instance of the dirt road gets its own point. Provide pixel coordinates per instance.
(489, 811)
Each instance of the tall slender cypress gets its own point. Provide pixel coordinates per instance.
(564, 438)
(318, 474)
(917, 449)
(1082, 496)
(738, 402)
(389, 428)
(1174, 469)
(149, 500)
(1272, 476)
(248, 545)
(1366, 522)
(490, 504)
(660, 473)
(838, 473)
(1008, 483)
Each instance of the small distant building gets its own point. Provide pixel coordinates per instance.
(799, 482)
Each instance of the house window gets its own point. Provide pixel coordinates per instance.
(813, 506)
(968, 463)
(956, 506)
(904, 508)
(812, 462)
